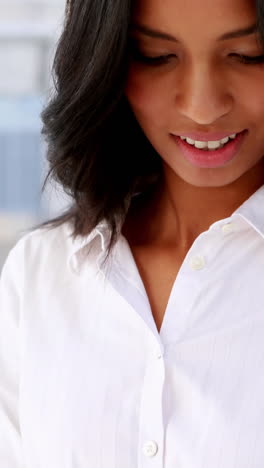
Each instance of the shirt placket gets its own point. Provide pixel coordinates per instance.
(151, 428)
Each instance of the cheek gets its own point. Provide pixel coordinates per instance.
(255, 98)
(147, 96)
(251, 96)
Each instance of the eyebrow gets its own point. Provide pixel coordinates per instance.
(161, 35)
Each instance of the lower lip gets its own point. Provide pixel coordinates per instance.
(211, 158)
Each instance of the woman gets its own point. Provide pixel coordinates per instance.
(132, 327)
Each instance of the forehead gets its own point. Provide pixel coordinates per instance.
(189, 15)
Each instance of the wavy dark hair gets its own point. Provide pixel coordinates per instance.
(96, 149)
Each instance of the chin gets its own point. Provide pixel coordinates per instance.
(206, 178)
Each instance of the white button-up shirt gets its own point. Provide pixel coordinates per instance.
(86, 380)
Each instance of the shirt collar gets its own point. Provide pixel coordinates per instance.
(251, 211)
(98, 239)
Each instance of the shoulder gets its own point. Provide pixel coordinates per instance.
(42, 247)
(46, 240)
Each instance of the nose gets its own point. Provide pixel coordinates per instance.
(203, 95)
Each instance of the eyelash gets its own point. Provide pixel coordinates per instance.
(162, 60)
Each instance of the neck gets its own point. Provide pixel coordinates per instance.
(178, 212)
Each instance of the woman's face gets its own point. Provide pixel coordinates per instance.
(202, 86)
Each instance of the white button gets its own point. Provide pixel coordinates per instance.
(228, 228)
(159, 352)
(150, 448)
(197, 263)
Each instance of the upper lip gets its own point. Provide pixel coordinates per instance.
(196, 136)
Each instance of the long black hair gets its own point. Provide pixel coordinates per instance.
(96, 149)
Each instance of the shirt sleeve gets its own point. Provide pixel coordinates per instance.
(10, 305)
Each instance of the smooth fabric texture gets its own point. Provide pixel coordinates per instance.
(86, 380)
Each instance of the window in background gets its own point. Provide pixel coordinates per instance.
(29, 30)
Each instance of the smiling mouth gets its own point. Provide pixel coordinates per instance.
(215, 157)
(209, 145)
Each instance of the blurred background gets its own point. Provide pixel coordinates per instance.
(29, 31)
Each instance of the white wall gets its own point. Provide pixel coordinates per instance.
(29, 30)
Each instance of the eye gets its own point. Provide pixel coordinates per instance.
(249, 60)
(158, 60)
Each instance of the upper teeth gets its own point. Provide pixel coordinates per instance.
(209, 144)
